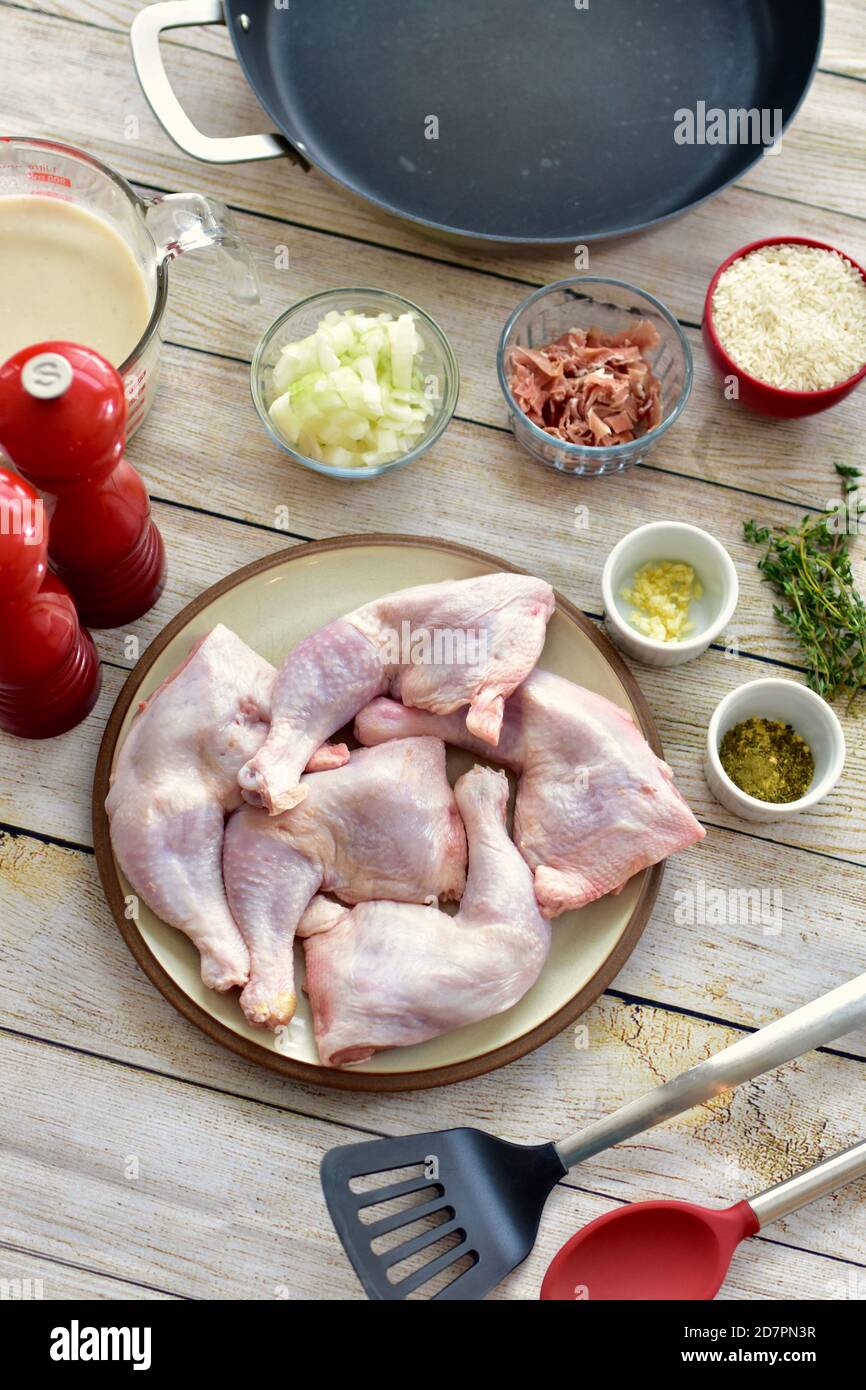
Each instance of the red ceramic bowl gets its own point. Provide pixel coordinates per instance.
(758, 395)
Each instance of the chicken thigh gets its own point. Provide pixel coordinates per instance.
(388, 974)
(594, 803)
(437, 647)
(175, 779)
(384, 825)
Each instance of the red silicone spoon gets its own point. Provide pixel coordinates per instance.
(673, 1250)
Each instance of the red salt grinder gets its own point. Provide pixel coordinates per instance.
(62, 418)
(49, 670)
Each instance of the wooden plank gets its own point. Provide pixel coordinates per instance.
(844, 49)
(25, 1275)
(205, 1215)
(95, 114)
(821, 157)
(119, 14)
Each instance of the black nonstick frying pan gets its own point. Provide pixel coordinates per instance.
(510, 120)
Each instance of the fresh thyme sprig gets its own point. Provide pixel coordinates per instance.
(809, 567)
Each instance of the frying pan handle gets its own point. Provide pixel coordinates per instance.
(144, 35)
(813, 1025)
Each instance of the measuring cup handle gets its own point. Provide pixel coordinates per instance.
(181, 222)
(144, 36)
(813, 1025)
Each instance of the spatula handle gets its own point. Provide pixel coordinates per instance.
(806, 1187)
(811, 1026)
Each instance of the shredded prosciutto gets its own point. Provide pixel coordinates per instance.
(590, 387)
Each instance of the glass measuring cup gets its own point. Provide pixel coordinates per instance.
(156, 230)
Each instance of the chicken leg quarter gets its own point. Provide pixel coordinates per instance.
(175, 779)
(384, 825)
(594, 803)
(388, 974)
(438, 647)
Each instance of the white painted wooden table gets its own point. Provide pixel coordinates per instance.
(137, 1159)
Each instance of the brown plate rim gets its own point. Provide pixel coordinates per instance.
(333, 1077)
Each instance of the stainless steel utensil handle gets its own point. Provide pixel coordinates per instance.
(811, 1026)
(144, 34)
(806, 1187)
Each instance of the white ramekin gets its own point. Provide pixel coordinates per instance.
(796, 705)
(713, 566)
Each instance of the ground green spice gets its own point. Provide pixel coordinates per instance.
(768, 760)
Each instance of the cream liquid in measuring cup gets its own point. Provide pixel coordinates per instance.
(65, 273)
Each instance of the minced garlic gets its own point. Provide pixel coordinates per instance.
(661, 592)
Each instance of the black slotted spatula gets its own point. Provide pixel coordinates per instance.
(507, 1183)
(487, 1194)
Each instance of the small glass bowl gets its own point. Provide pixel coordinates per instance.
(437, 362)
(589, 301)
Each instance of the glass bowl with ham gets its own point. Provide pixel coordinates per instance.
(594, 371)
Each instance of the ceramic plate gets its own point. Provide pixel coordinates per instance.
(272, 604)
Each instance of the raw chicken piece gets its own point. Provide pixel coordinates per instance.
(384, 825)
(594, 803)
(387, 974)
(437, 647)
(175, 779)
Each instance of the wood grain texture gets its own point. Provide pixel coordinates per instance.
(98, 1069)
(26, 1276)
(180, 1193)
(69, 979)
(843, 49)
(821, 160)
(119, 14)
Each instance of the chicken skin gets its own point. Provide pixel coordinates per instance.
(594, 803)
(389, 974)
(438, 647)
(174, 781)
(384, 825)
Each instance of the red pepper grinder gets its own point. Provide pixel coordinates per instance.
(62, 417)
(49, 670)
